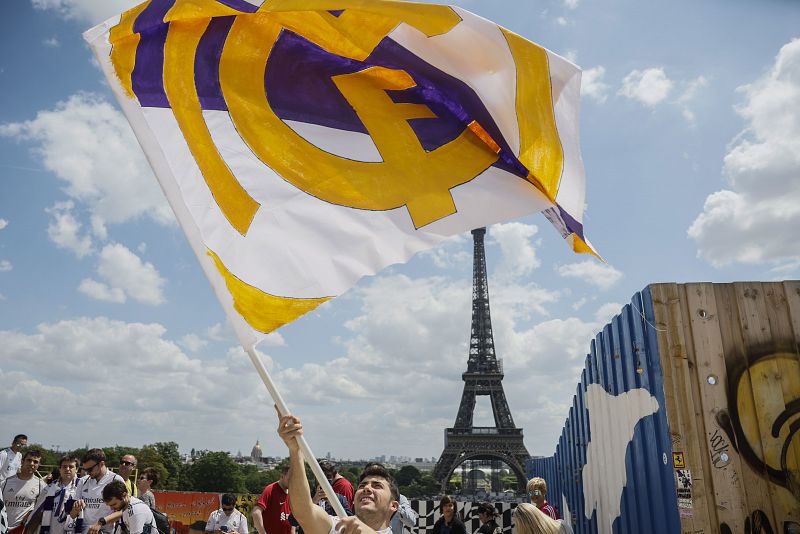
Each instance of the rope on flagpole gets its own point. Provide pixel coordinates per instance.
(311, 460)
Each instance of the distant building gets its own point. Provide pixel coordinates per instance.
(255, 454)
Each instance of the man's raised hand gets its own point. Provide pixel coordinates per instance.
(289, 429)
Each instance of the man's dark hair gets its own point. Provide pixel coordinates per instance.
(114, 489)
(379, 470)
(151, 475)
(285, 469)
(228, 499)
(447, 499)
(488, 509)
(329, 468)
(19, 437)
(69, 459)
(96, 455)
(33, 453)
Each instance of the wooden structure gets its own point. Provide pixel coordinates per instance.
(722, 362)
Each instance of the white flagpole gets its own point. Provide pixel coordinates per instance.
(311, 460)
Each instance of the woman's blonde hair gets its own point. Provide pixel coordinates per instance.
(530, 520)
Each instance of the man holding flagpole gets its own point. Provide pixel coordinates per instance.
(376, 497)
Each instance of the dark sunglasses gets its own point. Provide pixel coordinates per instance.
(87, 469)
(127, 463)
(227, 508)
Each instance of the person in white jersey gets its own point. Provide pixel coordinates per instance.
(22, 491)
(376, 497)
(137, 517)
(11, 458)
(89, 507)
(54, 510)
(227, 520)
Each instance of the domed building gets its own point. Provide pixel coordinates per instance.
(255, 454)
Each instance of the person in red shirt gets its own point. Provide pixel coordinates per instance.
(340, 485)
(271, 511)
(537, 491)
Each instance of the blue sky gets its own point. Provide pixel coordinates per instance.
(110, 333)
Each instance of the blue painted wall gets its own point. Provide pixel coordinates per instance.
(624, 360)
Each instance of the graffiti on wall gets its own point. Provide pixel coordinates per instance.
(762, 423)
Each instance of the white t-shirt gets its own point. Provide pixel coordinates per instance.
(91, 491)
(60, 520)
(20, 496)
(10, 462)
(137, 518)
(236, 522)
(335, 519)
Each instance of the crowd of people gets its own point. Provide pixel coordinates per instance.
(85, 496)
(81, 495)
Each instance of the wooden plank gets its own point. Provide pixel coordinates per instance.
(759, 393)
(668, 314)
(787, 503)
(702, 487)
(756, 487)
(720, 459)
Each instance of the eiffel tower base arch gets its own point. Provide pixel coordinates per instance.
(462, 448)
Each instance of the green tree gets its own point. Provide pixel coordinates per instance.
(149, 458)
(406, 475)
(167, 455)
(216, 471)
(255, 481)
(509, 481)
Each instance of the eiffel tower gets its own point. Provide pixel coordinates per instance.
(484, 376)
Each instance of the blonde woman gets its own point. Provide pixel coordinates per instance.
(530, 520)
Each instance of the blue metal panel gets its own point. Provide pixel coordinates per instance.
(624, 361)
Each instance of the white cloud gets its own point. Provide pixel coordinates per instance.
(592, 84)
(192, 342)
(649, 86)
(601, 275)
(88, 144)
(607, 311)
(562, 21)
(571, 4)
(221, 332)
(577, 305)
(91, 11)
(123, 379)
(5, 266)
(519, 254)
(273, 339)
(125, 275)
(450, 253)
(3, 223)
(100, 291)
(753, 221)
(52, 42)
(65, 230)
(688, 95)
